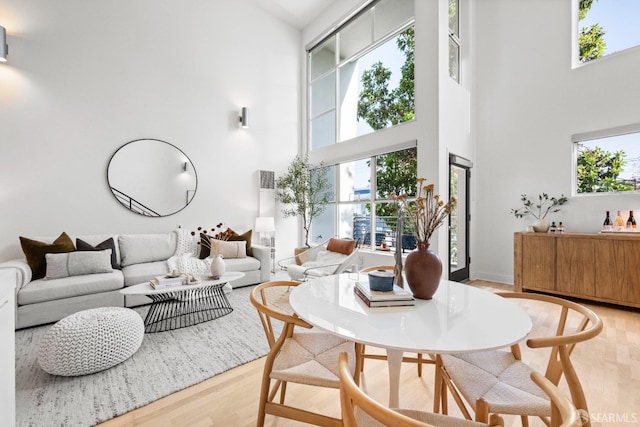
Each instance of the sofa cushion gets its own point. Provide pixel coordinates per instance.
(35, 251)
(47, 290)
(141, 273)
(241, 264)
(141, 248)
(78, 263)
(81, 245)
(237, 249)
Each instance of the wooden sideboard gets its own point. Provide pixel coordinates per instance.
(600, 267)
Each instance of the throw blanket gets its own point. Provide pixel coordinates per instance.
(185, 261)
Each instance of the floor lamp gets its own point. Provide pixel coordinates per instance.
(265, 225)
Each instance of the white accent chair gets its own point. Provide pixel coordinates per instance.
(331, 257)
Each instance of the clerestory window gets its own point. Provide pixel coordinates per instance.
(454, 40)
(606, 27)
(361, 76)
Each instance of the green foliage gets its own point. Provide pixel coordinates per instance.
(598, 170)
(591, 42)
(396, 173)
(380, 106)
(591, 39)
(542, 208)
(304, 190)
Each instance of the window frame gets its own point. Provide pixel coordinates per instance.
(372, 200)
(339, 64)
(454, 37)
(577, 139)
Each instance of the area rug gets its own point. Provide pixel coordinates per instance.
(165, 363)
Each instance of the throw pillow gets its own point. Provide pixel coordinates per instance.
(246, 236)
(205, 251)
(35, 251)
(81, 245)
(78, 263)
(343, 246)
(229, 249)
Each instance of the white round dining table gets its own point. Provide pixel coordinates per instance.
(459, 319)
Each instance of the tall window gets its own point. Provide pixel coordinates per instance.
(362, 208)
(607, 26)
(454, 40)
(608, 161)
(361, 77)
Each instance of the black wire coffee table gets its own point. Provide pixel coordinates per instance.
(185, 305)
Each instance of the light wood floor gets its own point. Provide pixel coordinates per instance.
(609, 368)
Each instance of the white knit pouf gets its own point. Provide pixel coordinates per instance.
(90, 341)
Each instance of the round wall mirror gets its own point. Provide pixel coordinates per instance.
(152, 177)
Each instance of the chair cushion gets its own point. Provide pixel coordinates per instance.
(311, 357)
(500, 379)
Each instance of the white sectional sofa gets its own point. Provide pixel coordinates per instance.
(139, 258)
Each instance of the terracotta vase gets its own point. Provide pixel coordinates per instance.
(423, 271)
(217, 266)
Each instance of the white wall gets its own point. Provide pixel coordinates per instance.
(84, 78)
(529, 103)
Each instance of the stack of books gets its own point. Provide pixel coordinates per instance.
(166, 282)
(396, 297)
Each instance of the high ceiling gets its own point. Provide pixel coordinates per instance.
(298, 13)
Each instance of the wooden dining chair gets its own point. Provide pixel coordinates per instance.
(298, 354)
(498, 382)
(359, 409)
(420, 359)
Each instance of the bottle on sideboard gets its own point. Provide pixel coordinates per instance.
(631, 222)
(560, 228)
(618, 223)
(553, 227)
(607, 225)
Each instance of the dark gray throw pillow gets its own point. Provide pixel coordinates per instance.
(81, 245)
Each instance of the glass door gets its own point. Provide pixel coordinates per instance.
(459, 187)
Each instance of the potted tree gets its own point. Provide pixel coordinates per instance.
(304, 191)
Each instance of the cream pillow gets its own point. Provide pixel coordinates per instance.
(235, 249)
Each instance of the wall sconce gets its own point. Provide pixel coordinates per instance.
(243, 119)
(185, 165)
(4, 48)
